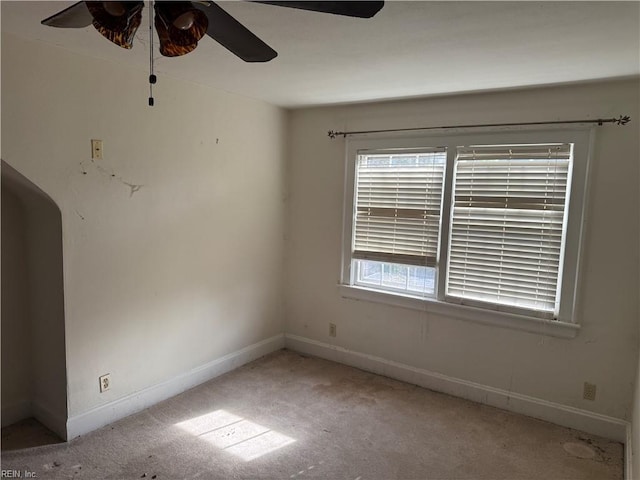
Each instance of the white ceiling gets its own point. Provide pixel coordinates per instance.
(408, 49)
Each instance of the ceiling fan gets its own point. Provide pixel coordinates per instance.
(180, 25)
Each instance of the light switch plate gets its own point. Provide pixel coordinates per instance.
(96, 149)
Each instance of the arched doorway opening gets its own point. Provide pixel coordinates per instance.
(34, 379)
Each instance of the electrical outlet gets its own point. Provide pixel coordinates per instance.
(105, 382)
(96, 149)
(332, 330)
(589, 391)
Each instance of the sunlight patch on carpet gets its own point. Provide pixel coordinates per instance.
(236, 435)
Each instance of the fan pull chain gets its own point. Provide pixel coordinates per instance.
(152, 77)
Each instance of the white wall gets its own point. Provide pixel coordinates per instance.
(635, 426)
(16, 334)
(635, 431)
(553, 369)
(37, 356)
(162, 279)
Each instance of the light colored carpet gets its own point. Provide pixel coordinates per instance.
(287, 416)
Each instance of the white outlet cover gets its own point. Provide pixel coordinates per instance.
(105, 382)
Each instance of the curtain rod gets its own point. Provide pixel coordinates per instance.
(621, 120)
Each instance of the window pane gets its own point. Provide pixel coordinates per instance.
(407, 279)
(422, 279)
(394, 275)
(370, 273)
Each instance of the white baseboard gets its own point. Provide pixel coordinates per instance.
(15, 412)
(135, 402)
(594, 423)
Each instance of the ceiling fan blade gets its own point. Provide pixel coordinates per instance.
(75, 16)
(350, 9)
(234, 36)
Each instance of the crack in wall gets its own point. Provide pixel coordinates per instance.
(133, 187)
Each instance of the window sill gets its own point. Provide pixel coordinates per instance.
(540, 326)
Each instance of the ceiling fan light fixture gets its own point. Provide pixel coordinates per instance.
(115, 9)
(184, 21)
(117, 21)
(180, 26)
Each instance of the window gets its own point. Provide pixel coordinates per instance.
(507, 235)
(489, 221)
(397, 219)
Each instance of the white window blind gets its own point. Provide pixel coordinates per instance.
(397, 207)
(507, 234)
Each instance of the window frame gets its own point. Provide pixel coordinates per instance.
(566, 324)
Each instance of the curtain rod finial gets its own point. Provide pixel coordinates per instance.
(623, 120)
